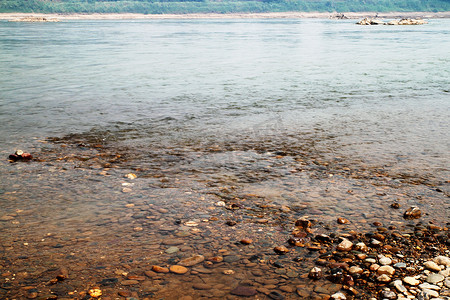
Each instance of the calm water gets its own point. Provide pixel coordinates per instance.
(323, 117)
(382, 92)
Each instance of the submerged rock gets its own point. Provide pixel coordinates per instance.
(412, 213)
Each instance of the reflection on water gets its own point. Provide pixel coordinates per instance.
(257, 122)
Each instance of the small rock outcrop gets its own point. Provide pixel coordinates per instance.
(405, 21)
(35, 19)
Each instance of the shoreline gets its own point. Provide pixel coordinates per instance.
(272, 15)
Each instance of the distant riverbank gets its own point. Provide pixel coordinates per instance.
(274, 15)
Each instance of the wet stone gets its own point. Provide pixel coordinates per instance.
(276, 295)
(231, 258)
(129, 282)
(173, 242)
(159, 269)
(281, 250)
(178, 269)
(287, 288)
(202, 286)
(108, 281)
(191, 261)
(172, 250)
(244, 291)
(412, 213)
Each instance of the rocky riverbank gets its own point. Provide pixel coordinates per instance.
(86, 220)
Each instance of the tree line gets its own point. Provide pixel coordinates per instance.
(222, 7)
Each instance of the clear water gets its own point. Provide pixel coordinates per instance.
(382, 92)
(324, 117)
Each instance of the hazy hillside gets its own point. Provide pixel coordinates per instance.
(224, 6)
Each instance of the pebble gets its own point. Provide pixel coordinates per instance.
(442, 260)
(432, 266)
(386, 270)
(281, 250)
(400, 265)
(447, 282)
(178, 269)
(131, 176)
(243, 291)
(191, 224)
(434, 278)
(95, 293)
(216, 259)
(388, 294)
(384, 261)
(430, 293)
(384, 278)
(6, 218)
(343, 221)
(246, 241)
(355, 270)
(374, 267)
(399, 286)
(315, 273)
(338, 296)
(287, 288)
(411, 280)
(159, 269)
(412, 213)
(129, 282)
(428, 286)
(345, 246)
(276, 296)
(370, 260)
(188, 262)
(126, 190)
(361, 247)
(172, 250)
(228, 272)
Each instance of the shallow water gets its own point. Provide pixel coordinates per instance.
(280, 118)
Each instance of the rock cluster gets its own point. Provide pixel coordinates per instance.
(389, 264)
(406, 21)
(35, 19)
(20, 155)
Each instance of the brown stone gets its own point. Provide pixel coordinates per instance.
(129, 282)
(281, 250)
(159, 269)
(150, 274)
(136, 277)
(178, 269)
(246, 241)
(191, 261)
(243, 291)
(343, 221)
(412, 213)
(124, 293)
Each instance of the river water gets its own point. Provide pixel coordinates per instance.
(280, 118)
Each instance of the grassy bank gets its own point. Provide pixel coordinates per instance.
(223, 7)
